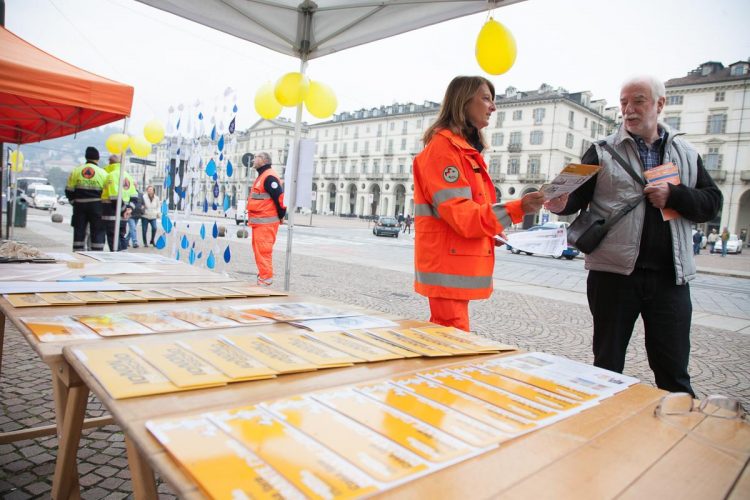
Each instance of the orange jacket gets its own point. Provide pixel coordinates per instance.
(456, 218)
(260, 206)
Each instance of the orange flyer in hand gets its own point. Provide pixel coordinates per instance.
(664, 173)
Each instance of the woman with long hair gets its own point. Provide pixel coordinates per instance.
(151, 208)
(456, 215)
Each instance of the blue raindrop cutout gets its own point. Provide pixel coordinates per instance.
(200, 115)
(220, 145)
(161, 242)
(164, 207)
(215, 231)
(191, 256)
(178, 151)
(215, 177)
(211, 260)
(205, 205)
(200, 255)
(213, 133)
(226, 203)
(231, 124)
(214, 206)
(221, 156)
(202, 232)
(167, 182)
(211, 168)
(177, 255)
(234, 109)
(178, 124)
(227, 255)
(166, 223)
(184, 243)
(230, 168)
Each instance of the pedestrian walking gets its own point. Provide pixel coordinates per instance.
(407, 223)
(151, 212)
(137, 203)
(697, 238)
(400, 219)
(109, 200)
(724, 240)
(712, 240)
(84, 190)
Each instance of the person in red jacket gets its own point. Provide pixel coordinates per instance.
(265, 211)
(456, 215)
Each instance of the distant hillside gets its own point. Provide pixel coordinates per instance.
(65, 147)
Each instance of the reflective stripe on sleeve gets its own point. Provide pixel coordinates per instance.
(425, 210)
(448, 194)
(454, 280)
(260, 196)
(263, 220)
(502, 214)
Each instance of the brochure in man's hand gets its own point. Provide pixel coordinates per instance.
(664, 173)
(569, 179)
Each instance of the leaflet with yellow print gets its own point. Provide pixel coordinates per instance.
(344, 323)
(122, 372)
(181, 366)
(377, 456)
(510, 403)
(564, 390)
(311, 350)
(297, 311)
(160, 321)
(25, 300)
(203, 293)
(355, 347)
(229, 359)
(203, 319)
(152, 295)
(177, 294)
(254, 291)
(113, 325)
(437, 342)
(458, 425)
(221, 465)
(311, 467)
(405, 342)
(414, 435)
(58, 328)
(239, 316)
(269, 354)
(469, 340)
(60, 299)
(373, 340)
(124, 297)
(94, 297)
(505, 421)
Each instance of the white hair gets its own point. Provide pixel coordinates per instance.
(656, 85)
(265, 156)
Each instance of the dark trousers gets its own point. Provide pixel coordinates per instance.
(88, 214)
(145, 223)
(109, 210)
(616, 301)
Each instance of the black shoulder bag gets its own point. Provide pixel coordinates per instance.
(588, 230)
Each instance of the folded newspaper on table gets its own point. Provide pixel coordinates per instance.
(569, 179)
(543, 241)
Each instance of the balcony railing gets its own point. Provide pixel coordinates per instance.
(514, 148)
(400, 176)
(497, 177)
(323, 155)
(330, 176)
(745, 175)
(351, 177)
(364, 154)
(374, 177)
(343, 154)
(531, 178)
(719, 175)
(388, 152)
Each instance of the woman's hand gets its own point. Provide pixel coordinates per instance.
(557, 204)
(532, 202)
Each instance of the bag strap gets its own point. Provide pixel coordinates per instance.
(623, 212)
(624, 164)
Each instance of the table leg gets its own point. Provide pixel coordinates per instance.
(65, 482)
(141, 474)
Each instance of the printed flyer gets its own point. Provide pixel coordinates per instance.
(229, 359)
(160, 321)
(203, 319)
(355, 347)
(58, 328)
(180, 365)
(297, 311)
(405, 342)
(113, 325)
(468, 340)
(343, 323)
(311, 350)
(270, 354)
(374, 340)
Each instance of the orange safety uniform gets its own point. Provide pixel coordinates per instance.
(264, 218)
(456, 218)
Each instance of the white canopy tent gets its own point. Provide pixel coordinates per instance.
(309, 30)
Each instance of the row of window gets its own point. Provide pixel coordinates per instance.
(536, 137)
(367, 168)
(677, 100)
(715, 124)
(417, 145)
(355, 131)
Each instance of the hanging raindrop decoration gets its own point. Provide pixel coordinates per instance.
(202, 232)
(230, 168)
(184, 243)
(211, 260)
(191, 256)
(161, 242)
(215, 231)
(227, 255)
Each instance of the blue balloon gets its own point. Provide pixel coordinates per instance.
(211, 260)
(161, 242)
(230, 168)
(227, 255)
(202, 233)
(184, 243)
(220, 145)
(211, 168)
(215, 231)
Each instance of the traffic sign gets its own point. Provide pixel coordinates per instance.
(141, 161)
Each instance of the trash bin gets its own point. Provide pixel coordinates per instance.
(19, 213)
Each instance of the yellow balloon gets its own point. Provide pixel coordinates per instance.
(16, 161)
(496, 48)
(265, 102)
(320, 100)
(291, 88)
(117, 143)
(153, 131)
(140, 146)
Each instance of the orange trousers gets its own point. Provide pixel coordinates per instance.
(450, 312)
(264, 236)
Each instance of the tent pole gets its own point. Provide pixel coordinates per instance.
(12, 197)
(116, 243)
(292, 203)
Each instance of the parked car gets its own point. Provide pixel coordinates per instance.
(240, 215)
(388, 226)
(569, 253)
(734, 245)
(62, 200)
(41, 196)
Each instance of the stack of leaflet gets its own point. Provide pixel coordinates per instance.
(368, 438)
(146, 367)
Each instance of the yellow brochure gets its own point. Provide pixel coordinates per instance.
(538, 396)
(25, 300)
(436, 342)
(58, 328)
(203, 319)
(543, 383)
(239, 316)
(152, 295)
(468, 340)
(414, 435)
(501, 399)
(177, 294)
(159, 321)
(312, 468)
(231, 360)
(60, 299)
(123, 373)
(270, 354)
(124, 296)
(249, 291)
(93, 297)
(391, 337)
(181, 366)
(355, 347)
(225, 292)
(473, 407)
(379, 457)
(364, 336)
(458, 425)
(310, 349)
(202, 293)
(112, 325)
(221, 465)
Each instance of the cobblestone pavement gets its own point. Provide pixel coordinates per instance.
(718, 362)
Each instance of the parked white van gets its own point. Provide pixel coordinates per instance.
(41, 196)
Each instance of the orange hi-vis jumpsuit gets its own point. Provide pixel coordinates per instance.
(456, 219)
(264, 219)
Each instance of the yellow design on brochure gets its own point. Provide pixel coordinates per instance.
(355, 347)
(543, 383)
(270, 354)
(25, 300)
(113, 325)
(177, 294)
(437, 343)
(239, 316)
(379, 457)
(387, 335)
(381, 344)
(414, 435)
(93, 297)
(57, 328)
(152, 295)
(203, 293)
(203, 319)
(221, 465)
(458, 425)
(123, 373)
(469, 340)
(160, 321)
(124, 296)
(182, 367)
(60, 299)
(312, 468)
(231, 360)
(311, 350)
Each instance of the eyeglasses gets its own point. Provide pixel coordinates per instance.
(682, 403)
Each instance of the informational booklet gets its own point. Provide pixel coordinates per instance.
(405, 342)
(374, 340)
(180, 365)
(436, 342)
(664, 173)
(60, 299)
(152, 295)
(355, 347)
(203, 293)
(297, 311)
(310, 349)
(124, 297)
(26, 300)
(94, 297)
(112, 325)
(541, 241)
(178, 294)
(229, 359)
(58, 328)
(239, 316)
(254, 291)
(269, 353)
(203, 319)
(229, 470)
(160, 321)
(345, 323)
(570, 178)
(469, 340)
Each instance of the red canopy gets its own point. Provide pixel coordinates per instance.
(43, 97)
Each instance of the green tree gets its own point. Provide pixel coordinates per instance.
(58, 178)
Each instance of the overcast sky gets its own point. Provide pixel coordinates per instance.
(576, 44)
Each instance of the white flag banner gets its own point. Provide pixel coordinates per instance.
(543, 241)
(304, 179)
